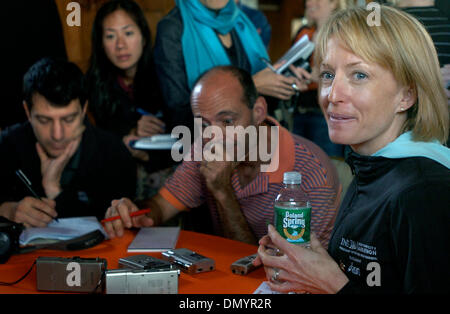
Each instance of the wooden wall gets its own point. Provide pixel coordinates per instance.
(77, 38)
(280, 14)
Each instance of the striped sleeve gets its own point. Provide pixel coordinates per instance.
(438, 26)
(185, 188)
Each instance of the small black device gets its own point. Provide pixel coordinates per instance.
(74, 274)
(189, 261)
(145, 262)
(244, 265)
(9, 238)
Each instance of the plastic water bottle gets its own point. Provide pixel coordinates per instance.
(293, 211)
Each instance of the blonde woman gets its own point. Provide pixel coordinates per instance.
(381, 92)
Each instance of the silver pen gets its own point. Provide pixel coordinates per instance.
(270, 66)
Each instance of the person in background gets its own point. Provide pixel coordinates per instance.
(200, 34)
(445, 70)
(75, 168)
(436, 23)
(124, 95)
(381, 93)
(260, 21)
(308, 118)
(438, 26)
(444, 6)
(239, 194)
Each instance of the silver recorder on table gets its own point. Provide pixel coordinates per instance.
(189, 261)
(142, 274)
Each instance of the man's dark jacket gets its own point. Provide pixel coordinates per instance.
(101, 170)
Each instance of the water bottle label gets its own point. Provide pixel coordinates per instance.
(293, 224)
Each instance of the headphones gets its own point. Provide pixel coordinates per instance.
(9, 238)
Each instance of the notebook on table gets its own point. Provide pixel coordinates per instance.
(61, 230)
(155, 239)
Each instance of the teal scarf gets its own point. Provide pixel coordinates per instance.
(202, 48)
(404, 147)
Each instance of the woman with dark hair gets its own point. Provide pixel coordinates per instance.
(122, 85)
(121, 75)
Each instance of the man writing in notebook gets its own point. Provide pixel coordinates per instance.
(72, 167)
(238, 194)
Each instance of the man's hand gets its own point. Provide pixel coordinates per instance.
(29, 211)
(136, 153)
(52, 168)
(150, 125)
(217, 175)
(123, 208)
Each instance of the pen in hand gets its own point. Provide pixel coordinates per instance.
(142, 112)
(267, 63)
(132, 214)
(27, 183)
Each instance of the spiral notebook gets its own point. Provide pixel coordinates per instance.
(155, 239)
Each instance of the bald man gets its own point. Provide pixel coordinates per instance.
(239, 194)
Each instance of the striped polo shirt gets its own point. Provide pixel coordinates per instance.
(438, 26)
(186, 188)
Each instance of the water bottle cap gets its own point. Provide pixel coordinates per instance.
(292, 178)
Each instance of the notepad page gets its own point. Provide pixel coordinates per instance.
(155, 239)
(63, 229)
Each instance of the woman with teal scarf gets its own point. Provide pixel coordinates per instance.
(381, 92)
(200, 34)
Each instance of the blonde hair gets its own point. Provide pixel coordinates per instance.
(401, 45)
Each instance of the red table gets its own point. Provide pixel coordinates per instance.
(219, 281)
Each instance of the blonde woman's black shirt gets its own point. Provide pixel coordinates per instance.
(392, 232)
